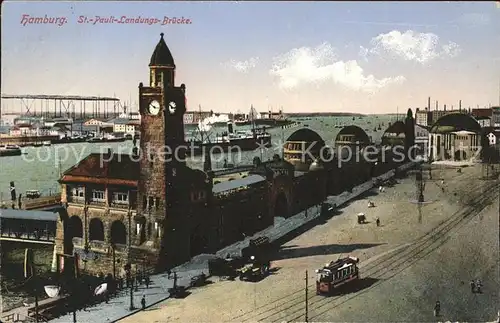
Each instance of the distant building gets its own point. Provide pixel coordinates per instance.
(97, 122)
(492, 139)
(427, 117)
(128, 126)
(454, 136)
(484, 112)
(484, 121)
(495, 117)
(423, 117)
(194, 117)
(130, 115)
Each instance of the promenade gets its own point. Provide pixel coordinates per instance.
(118, 307)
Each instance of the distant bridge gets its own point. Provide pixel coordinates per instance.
(44, 203)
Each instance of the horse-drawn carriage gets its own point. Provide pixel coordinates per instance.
(253, 263)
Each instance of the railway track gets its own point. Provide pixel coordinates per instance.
(292, 306)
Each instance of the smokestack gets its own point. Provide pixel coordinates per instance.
(460, 105)
(445, 107)
(429, 103)
(437, 105)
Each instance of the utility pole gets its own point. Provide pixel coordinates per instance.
(131, 294)
(306, 319)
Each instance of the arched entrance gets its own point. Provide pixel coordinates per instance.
(96, 230)
(118, 233)
(281, 206)
(460, 155)
(198, 242)
(74, 228)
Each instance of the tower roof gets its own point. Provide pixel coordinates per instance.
(162, 55)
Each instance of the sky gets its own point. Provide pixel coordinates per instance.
(364, 57)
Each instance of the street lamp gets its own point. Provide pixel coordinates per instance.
(129, 276)
(114, 260)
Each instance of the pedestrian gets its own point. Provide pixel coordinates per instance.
(378, 222)
(478, 286)
(168, 273)
(472, 286)
(143, 302)
(147, 280)
(437, 309)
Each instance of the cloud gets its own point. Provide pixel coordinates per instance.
(242, 66)
(411, 46)
(307, 65)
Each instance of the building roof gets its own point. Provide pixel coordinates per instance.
(230, 185)
(118, 169)
(119, 121)
(305, 135)
(397, 128)
(28, 215)
(162, 55)
(358, 132)
(455, 122)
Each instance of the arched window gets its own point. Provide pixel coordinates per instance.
(118, 232)
(75, 227)
(96, 230)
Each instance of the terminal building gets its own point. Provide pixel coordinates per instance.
(455, 136)
(145, 210)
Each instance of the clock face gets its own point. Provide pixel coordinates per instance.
(154, 107)
(172, 107)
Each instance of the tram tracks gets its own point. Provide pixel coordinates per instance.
(382, 269)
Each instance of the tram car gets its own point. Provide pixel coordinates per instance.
(336, 274)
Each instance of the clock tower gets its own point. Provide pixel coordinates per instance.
(162, 106)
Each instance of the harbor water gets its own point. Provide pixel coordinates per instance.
(39, 168)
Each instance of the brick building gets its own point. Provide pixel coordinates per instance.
(149, 209)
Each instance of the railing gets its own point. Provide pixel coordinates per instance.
(97, 203)
(41, 202)
(76, 199)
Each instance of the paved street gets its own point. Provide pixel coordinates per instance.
(406, 264)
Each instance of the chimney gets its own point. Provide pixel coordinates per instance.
(429, 103)
(460, 105)
(437, 105)
(445, 107)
